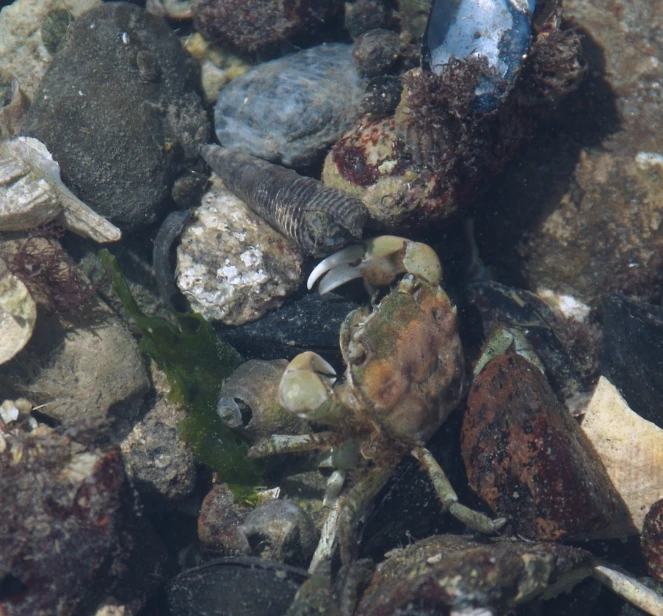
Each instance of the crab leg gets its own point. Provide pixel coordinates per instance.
(354, 502)
(473, 519)
(630, 589)
(330, 526)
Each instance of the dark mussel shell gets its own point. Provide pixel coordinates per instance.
(498, 30)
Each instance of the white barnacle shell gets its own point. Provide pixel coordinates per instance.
(32, 193)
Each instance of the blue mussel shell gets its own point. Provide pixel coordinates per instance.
(498, 30)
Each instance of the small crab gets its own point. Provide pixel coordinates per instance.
(405, 374)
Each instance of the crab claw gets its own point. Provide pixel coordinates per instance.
(378, 261)
(306, 383)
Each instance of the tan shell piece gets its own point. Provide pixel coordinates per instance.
(631, 449)
(31, 194)
(18, 313)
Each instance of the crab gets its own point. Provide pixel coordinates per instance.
(404, 376)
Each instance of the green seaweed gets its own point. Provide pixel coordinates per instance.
(195, 361)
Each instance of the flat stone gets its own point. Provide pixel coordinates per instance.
(289, 110)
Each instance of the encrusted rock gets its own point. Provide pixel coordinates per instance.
(252, 25)
(454, 574)
(66, 522)
(160, 465)
(377, 51)
(93, 374)
(231, 265)
(119, 111)
(527, 457)
(289, 110)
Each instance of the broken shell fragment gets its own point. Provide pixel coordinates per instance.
(32, 194)
(18, 313)
(631, 449)
(527, 457)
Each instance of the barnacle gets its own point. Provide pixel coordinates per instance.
(318, 219)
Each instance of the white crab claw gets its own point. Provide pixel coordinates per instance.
(378, 261)
(306, 383)
(345, 259)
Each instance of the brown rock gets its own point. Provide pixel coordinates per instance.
(527, 457)
(219, 519)
(66, 520)
(652, 540)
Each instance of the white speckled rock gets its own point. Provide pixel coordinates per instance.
(231, 265)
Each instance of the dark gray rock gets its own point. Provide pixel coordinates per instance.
(289, 110)
(119, 112)
(235, 587)
(632, 354)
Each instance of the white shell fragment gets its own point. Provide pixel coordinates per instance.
(32, 193)
(18, 313)
(231, 265)
(631, 449)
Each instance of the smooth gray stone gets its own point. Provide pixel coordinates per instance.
(289, 110)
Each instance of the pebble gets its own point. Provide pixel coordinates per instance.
(161, 466)
(279, 530)
(289, 110)
(527, 457)
(219, 520)
(377, 51)
(231, 265)
(362, 16)
(457, 574)
(119, 111)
